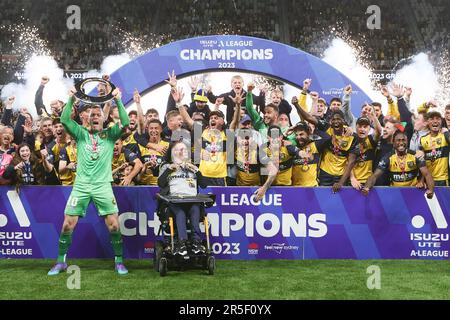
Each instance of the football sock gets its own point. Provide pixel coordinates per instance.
(116, 241)
(65, 239)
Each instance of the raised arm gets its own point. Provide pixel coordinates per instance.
(170, 102)
(71, 126)
(254, 115)
(304, 94)
(408, 92)
(178, 95)
(376, 124)
(38, 101)
(237, 111)
(7, 114)
(260, 100)
(405, 114)
(124, 120)
(346, 106)
(19, 128)
(140, 113)
(315, 100)
(392, 106)
(193, 84)
(302, 113)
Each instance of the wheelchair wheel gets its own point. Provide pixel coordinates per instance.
(158, 254)
(162, 267)
(211, 265)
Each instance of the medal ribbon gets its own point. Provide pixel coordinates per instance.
(401, 162)
(361, 152)
(335, 142)
(212, 138)
(94, 143)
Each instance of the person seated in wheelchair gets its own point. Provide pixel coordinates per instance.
(179, 177)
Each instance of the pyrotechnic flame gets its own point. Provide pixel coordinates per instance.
(26, 42)
(136, 44)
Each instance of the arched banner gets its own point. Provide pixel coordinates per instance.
(233, 53)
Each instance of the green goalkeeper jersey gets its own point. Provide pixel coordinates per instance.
(94, 150)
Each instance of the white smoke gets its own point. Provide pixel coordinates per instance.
(109, 65)
(58, 86)
(113, 63)
(345, 59)
(35, 68)
(420, 75)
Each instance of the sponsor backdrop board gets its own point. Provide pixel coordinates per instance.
(290, 223)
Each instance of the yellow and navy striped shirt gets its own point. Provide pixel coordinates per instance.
(150, 176)
(403, 171)
(436, 151)
(334, 158)
(365, 156)
(214, 145)
(304, 171)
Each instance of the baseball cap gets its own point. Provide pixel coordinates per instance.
(245, 118)
(322, 100)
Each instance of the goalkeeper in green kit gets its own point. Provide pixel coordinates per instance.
(95, 147)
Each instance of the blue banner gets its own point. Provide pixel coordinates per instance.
(233, 53)
(289, 223)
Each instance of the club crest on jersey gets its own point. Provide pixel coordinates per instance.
(344, 144)
(410, 164)
(438, 141)
(102, 135)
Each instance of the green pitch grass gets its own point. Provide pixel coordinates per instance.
(276, 279)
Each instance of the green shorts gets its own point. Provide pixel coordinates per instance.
(101, 194)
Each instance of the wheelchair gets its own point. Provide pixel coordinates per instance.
(164, 257)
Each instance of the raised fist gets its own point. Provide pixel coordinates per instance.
(348, 90)
(44, 80)
(306, 84)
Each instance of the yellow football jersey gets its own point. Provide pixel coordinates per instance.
(402, 171)
(436, 151)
